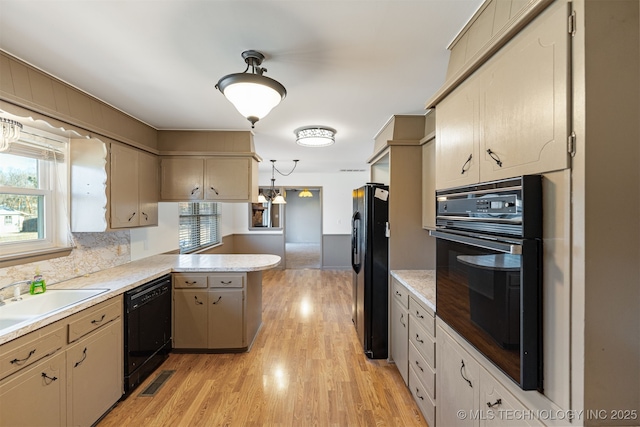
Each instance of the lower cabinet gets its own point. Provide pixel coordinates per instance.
(468, 395)
(400, 330)
(94, 376)
(68, 373)
(216, 311)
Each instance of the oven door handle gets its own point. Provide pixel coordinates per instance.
(507, 248)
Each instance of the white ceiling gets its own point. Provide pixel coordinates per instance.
(347, 64)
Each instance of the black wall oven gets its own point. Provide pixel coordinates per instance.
(488, 271)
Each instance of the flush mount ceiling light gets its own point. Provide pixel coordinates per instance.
(253, 94)
(305, 193)
(10, 132)
(315, 136)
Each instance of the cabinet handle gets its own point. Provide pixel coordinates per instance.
(98, 321)
(418, 339)
(18, 361)
(186, 282)
(418, 394)
(218, 300)
(398, 294)
(214, 190)
(226, 283)
(194, 190)
(198, 302)
(84, 356)
(418, 315)
(462, 374)
(418, 365)
(401, 320)
(465, 164)
(146, 217)
(495, 157)
(496, 403)
(131, 217)
(47, 377)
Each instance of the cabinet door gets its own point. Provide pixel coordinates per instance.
(457, 383)
(35, 397)
(457, 137)
(190, 318)
(226, 318)
(400, 338)
(500, 405)
(149, 188)
(94, 374)
(124, 187)
(524, 101)
(227, 178)
(181, 179)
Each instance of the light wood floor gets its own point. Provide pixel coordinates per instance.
(306, 368)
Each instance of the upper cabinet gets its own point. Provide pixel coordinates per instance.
(511, 116)
(134, 187)
(218, 166)
(113, 186)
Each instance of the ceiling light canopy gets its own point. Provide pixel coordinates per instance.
(10, 132)
(315, 136)
(253, 94)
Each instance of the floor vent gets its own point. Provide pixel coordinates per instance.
(153, 388)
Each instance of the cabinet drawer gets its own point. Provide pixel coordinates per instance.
(423, 342)
(93, 318)
(30, 348)
(181, 280)
(423, 316)
(399, 292)
(226, 280)
(420, 395)
(424, 372)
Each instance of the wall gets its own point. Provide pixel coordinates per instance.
(303, 220)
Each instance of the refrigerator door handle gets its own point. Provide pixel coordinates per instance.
(355, 244)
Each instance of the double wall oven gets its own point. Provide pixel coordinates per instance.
(488, 271)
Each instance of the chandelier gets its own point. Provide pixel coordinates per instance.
(315, 136)
(272, 195)
(253, 94)
(10, 132)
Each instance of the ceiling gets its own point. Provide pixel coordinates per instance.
(348, 64)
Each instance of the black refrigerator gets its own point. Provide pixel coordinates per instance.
(370, 263)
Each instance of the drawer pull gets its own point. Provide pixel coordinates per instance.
(198, 302)
(401, 320)
(226, 283)
(418, 394)
(398, 294)
(496, 403)
(462, 374)
(47, 377)
(19, 361)
(418, 339)
(418, 315)
(218, 300)
(98, 321)
(418, 365)
(84, 356)
(186, 282)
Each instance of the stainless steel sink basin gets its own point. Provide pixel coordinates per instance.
(35, 306)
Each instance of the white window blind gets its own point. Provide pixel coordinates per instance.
(199, 225)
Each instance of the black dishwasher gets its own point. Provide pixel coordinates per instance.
(147, 330)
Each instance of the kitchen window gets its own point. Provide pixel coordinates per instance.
(199, 225)
(33, 196)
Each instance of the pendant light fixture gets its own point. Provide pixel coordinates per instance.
(305, 193)
(253, 94)
(315, 136)
(272, 195)
(10, 132)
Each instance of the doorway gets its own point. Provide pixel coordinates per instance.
(303, 228)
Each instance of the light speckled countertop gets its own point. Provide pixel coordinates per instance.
(420, 282)
(120, 279)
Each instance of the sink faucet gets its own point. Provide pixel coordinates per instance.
(16, 296)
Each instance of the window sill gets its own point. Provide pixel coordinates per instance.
(203, 249)
(33, 256)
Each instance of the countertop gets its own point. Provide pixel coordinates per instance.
(422, 283)
(122, 278)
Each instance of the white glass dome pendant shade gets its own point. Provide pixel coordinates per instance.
(253, 94)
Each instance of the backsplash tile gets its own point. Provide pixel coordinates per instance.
(93, 252)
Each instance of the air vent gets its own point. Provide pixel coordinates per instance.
(153, 388)
(353, 170)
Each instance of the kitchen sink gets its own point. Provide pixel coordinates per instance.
(32, 307)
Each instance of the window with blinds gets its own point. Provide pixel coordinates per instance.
(199, 225)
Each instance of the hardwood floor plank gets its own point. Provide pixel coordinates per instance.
(306, 368)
